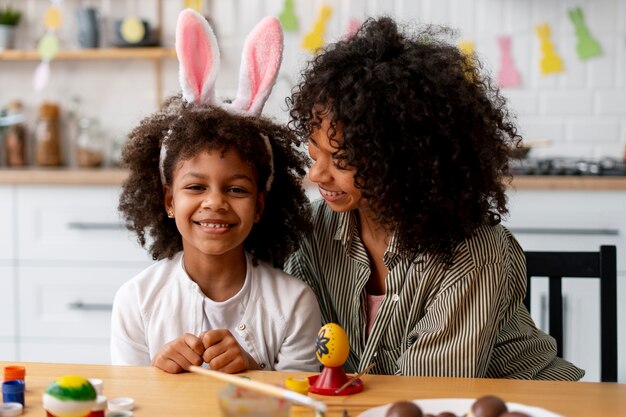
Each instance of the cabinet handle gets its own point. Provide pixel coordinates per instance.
(565, 321)
(79, 305)
(543, 320)
(565, 231)
(94, 226)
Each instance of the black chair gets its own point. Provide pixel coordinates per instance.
(603, 265)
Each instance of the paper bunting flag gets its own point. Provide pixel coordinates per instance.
(193, 4)
(467, 48)
(314, 40)
(132, 30)
(352, 28)
(507, 75)
(41, 76)
(587, 47)
(288, 18)
(48, 46)
(52, 18)
(551, 62)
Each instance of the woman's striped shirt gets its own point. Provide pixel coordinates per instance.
(464, 321)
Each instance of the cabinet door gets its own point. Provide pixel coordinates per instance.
(7, 301)
(573, 221)
(73, 223)
(7, 221)
(8, 351)
(68, 303)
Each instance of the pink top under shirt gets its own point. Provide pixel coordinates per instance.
(373, 305)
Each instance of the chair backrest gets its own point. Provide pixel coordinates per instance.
(603, 265)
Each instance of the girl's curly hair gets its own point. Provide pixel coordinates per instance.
(191, 129)
(427, 134)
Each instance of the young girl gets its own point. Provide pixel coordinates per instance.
(410, 145)
(215, 190)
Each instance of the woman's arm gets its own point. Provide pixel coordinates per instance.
(456, 335)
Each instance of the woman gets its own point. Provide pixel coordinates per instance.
(410, 144)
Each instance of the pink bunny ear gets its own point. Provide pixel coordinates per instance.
(262, 56)
(198, 55)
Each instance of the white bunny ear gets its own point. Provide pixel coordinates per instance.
(260, 62)
(198, 55)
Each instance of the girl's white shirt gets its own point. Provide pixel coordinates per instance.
(274, 317)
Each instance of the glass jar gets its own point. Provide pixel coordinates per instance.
(47, 140)
(89, 149)
(15, 141)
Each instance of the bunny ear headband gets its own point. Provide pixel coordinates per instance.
(199, 59)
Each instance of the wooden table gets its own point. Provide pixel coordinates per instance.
(157, 393)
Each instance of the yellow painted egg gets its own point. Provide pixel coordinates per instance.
(332, 347)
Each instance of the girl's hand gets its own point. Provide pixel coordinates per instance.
(179, 354)
(224, 354)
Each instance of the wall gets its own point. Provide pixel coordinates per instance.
(581, 111)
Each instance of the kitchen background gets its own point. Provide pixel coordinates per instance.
(579, 112)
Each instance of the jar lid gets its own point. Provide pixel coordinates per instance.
(49, 110)
(11, 409)
(121, 404)
(300, 385)
(14, 372)
(98, 385)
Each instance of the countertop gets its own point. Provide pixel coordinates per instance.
(115, 176)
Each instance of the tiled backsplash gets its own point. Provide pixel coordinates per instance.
(582, 111)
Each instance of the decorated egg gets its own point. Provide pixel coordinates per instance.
(332, 347)
(69, 396)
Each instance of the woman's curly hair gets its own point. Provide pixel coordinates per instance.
(427, 134)
(191, 129)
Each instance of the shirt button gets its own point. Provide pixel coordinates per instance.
(241, 326)
(395, 297)
(262, 366)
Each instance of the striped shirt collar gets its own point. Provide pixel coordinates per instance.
(348, 233)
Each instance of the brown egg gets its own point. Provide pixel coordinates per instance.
(514, 414)
(446, 414)
(488, 406)
(404, 409)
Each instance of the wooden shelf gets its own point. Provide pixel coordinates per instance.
(63, 176)
(569, 183)
(92, 54)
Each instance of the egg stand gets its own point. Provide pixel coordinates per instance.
(331, 379)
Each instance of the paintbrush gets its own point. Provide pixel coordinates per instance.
(354, 378)
(262, 387)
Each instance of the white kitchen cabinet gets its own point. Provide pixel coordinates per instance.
(8, 337)
(6, 223)
(567, 220)
(73, 223)
(8, 351)
(69, 253)
(68, 318)
(77, 302)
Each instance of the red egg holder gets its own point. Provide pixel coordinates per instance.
(330, 380)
